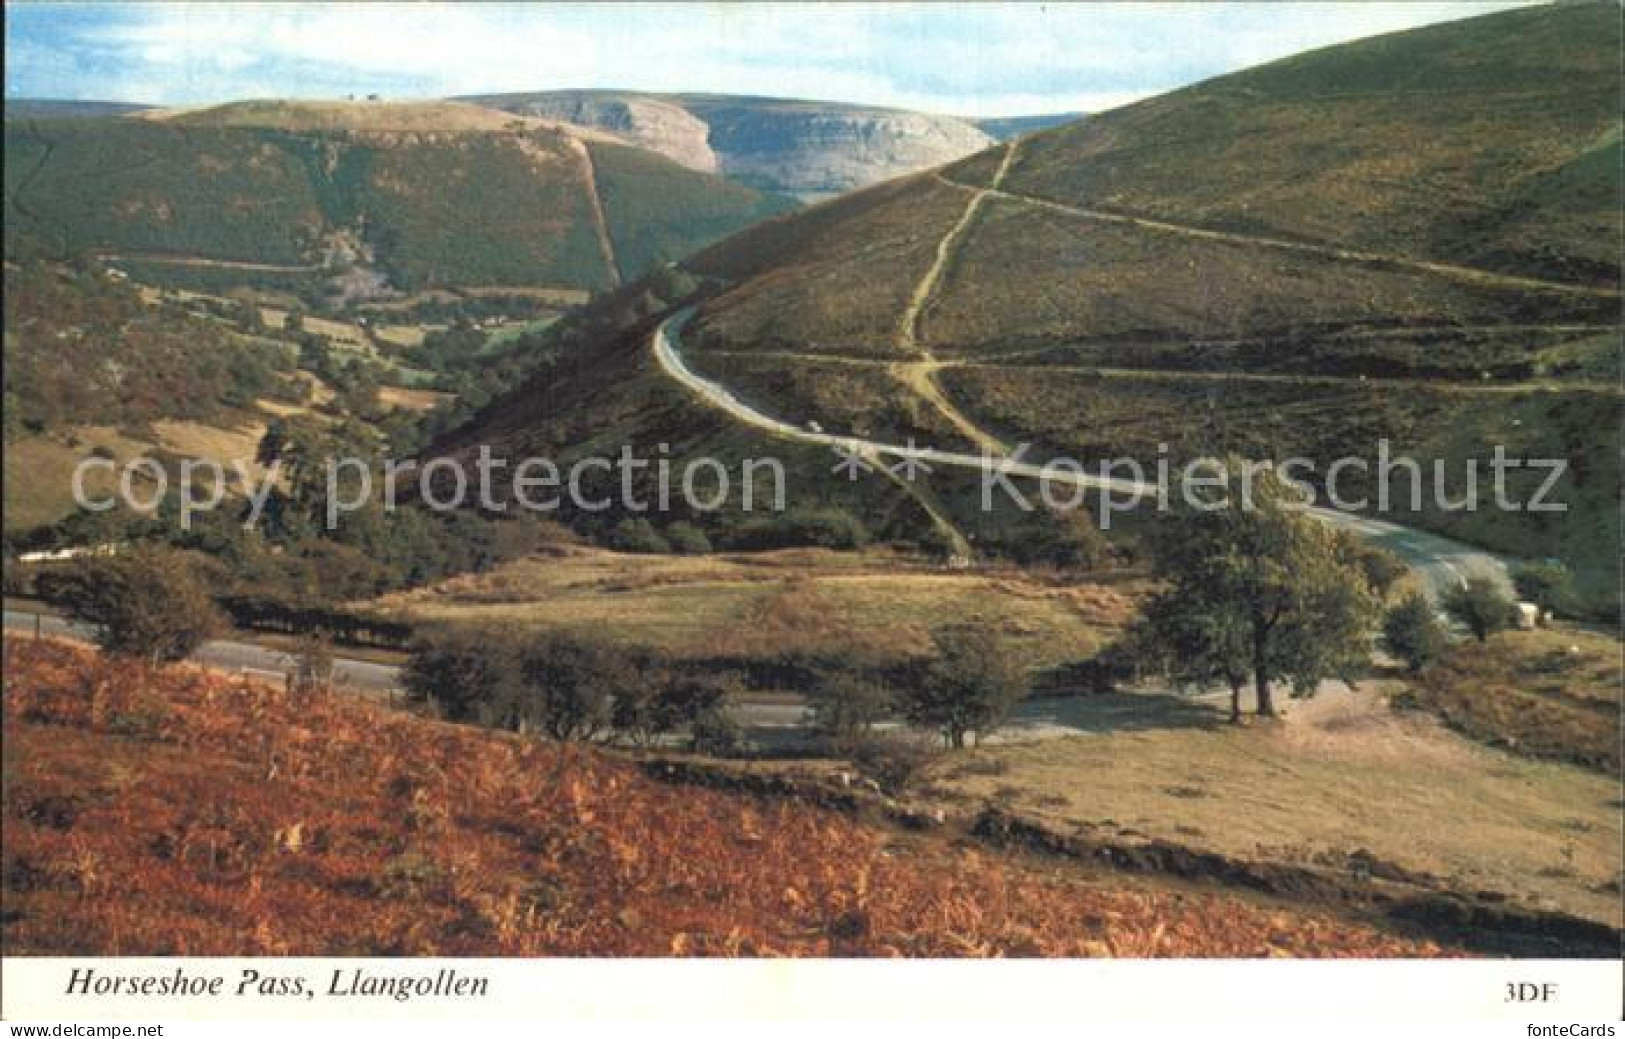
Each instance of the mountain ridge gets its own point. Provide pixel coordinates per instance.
(413, 195)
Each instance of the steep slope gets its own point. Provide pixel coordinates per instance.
(649, 121)
(807, 148)
(1492, 142)
(412, 195)
(1460, 175)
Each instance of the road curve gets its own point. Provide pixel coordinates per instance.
(1441, 563)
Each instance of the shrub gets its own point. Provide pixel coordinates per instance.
(895, 763)
(569, 685)
(969, 687)
(846, 704)
(638, 535)
(1481, 607)
(1413, 633)
(1548, 585)
(313, 666)
(687, 539)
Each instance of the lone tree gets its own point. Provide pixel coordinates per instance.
(1413, 633)
(968, 687)
(1549, 586)
(1255, 587)
(1481, 607)
(147, 603)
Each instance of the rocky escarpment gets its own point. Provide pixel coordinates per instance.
(815, 149)
(649, 123)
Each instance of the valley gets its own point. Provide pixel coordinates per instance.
(1143, 573)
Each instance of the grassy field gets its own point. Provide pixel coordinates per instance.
(1342, 775)
(763, 604)
(39, 467)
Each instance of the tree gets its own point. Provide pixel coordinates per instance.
(569, 685)
(1413, 633)
(466, 675)
(1481, 607)
(1253, 586)
(846, 703)
(1196, 643)
(968, 687)
(147, 602)
(1549, 586)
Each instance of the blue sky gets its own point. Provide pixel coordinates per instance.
(966, 58)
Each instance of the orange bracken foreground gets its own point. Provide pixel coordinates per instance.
(189, 813)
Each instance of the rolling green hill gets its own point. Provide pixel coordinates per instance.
(1440, 177)
(373, 196)
(82, 348)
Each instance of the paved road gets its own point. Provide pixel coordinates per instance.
(1440, 562)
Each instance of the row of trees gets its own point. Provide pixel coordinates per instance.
(575, 688)
(569, 688)
(153, 603)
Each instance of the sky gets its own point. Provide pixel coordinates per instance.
(961, 58)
